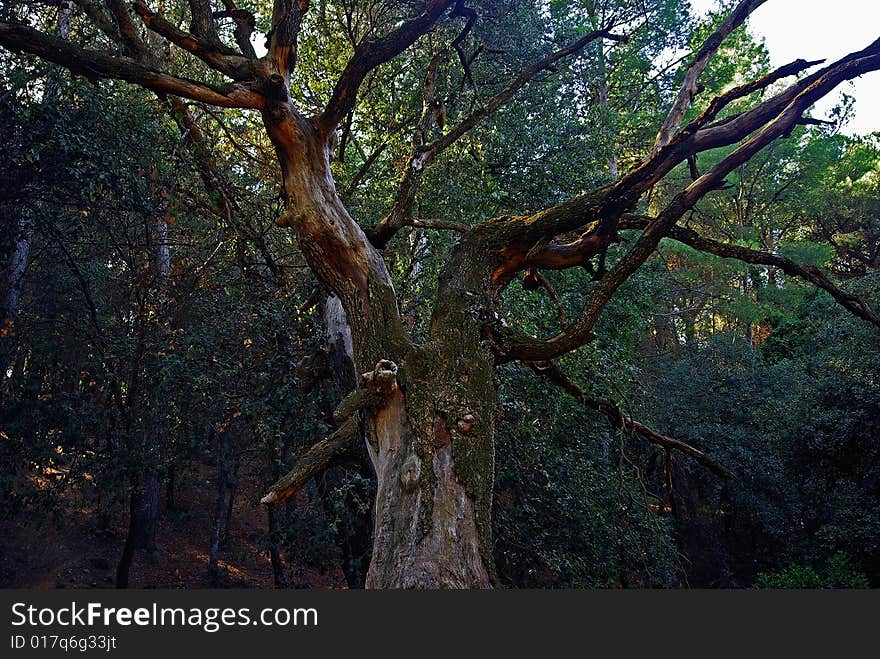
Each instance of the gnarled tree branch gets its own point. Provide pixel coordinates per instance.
(245, 23)
(689, 87)
(614, 414)
(95, 65)
(214, 54)
(853, 303)
(604, 204)
(373, 389)
(370, 54)
(425, 153)
(328, 452)
(287, 18)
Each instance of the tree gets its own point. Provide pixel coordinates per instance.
(10, 280)
(428, 404)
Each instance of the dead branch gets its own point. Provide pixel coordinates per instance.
(689, 87)
(614, 414)
(852, 303)
(328, 452)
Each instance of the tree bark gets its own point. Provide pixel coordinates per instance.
(429, 430)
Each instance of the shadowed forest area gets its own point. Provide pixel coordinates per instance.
(611, 286)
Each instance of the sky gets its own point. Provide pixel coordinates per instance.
(816, 29)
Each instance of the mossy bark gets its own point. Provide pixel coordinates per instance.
(434, 473)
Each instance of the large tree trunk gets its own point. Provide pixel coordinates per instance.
(427, 531)
(430, 435)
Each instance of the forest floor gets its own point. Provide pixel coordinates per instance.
(74, 552)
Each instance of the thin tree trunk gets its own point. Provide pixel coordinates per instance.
(12, 274)
(596, 14)
(148, 506)
(124, 566)
(144, 513)
(170, 487)
(274, 554)
(10, 293)
(233, 490)
(222, 476)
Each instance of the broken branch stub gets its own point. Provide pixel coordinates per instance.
(375, 386)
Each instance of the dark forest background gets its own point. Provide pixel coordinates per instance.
(204, 376)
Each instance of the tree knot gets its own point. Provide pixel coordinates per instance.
(411, 473)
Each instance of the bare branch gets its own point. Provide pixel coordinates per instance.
(853, 303)
(550, 255)
(518, 83)
(374, 387)
(401, 208)
(96, 65)
(614, 414)
(682, 202)
(370, 54)
(689, 87)
(606, 205)
(511, 345)
(470, 17)
(217, 56)
(424, 154)
(720, 102)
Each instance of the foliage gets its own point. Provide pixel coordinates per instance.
(839, 573)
